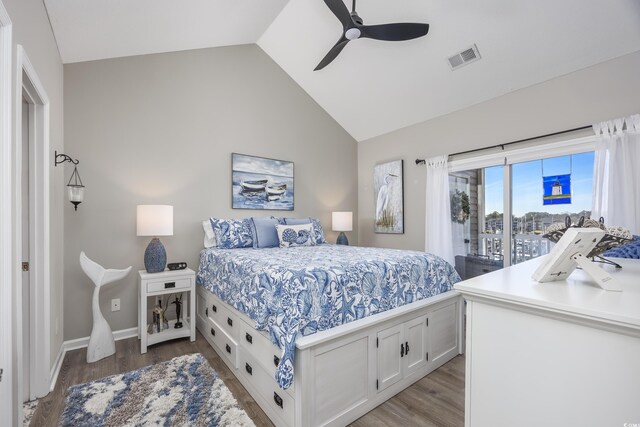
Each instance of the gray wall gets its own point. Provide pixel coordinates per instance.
(160, 129)
(31, 29)
(607, 90)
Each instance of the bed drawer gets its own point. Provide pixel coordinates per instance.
(201, 304)
(224, 317)
(227, 346)
(259, 345)
(279, 400)
(161, 285)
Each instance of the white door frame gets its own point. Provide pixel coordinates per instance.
(7, 402)
(28, 83)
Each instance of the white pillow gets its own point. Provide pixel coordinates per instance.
(295, 235)
(209, 236)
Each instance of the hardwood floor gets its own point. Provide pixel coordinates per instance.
(435, 400)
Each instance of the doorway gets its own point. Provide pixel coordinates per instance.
(26, 256)
(32, 294)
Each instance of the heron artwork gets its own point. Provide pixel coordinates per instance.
(388, 197)
(383, 197)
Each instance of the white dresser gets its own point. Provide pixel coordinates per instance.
(552, 354)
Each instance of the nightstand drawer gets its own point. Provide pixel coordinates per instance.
(169, 284)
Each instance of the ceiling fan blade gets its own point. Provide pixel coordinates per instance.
(333, 53)
(340, 10)
(394, 32)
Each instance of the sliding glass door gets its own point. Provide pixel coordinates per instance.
(477, 220)
(544, 192)
(499, 213)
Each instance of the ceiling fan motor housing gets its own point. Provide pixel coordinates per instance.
(356, 18)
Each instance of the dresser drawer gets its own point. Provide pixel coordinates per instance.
(162, 285)
(227, 346)
(260, 347)
(279, 400)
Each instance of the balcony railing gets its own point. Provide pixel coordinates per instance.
(525, 246)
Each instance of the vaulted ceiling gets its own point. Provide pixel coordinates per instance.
(373, 87)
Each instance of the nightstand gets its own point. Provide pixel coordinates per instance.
(165, 283)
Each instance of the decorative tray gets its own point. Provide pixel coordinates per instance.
(609, 241)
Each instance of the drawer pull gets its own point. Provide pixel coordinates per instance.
(249, 338)
(248, 368)
(214, 308)
(229, 321)
(213, 332)
(170, 285)
(206, 311)
(406, 346)
(277, 399)
(401, 350)
(228, 348)
(276, 360)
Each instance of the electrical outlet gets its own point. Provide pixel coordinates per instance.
(115, 304)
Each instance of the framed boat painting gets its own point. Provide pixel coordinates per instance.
(261, 183)
(388, 197)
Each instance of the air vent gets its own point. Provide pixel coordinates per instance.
(465, 57)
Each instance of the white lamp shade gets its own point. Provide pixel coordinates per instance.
(154, 220)
(342, 221)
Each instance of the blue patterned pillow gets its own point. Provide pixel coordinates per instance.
(295, 235)
(232, 233)
(318, 232)
(630, 250)
(264, 232)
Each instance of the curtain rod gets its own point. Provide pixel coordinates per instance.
(423, 161)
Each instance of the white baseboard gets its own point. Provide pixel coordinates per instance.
(55, 370)
(81, 343)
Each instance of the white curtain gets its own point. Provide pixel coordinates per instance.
(438, 238)
(616, 181)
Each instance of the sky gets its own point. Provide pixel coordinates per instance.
(527, 184)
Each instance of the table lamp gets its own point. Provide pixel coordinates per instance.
(342, 221)
(155, 220)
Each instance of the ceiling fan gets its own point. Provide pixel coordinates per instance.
(353, 29)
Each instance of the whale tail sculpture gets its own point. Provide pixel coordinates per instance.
(101, 343)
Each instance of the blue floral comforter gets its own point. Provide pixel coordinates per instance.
(303, 290)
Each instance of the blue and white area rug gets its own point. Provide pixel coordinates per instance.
(185, 391)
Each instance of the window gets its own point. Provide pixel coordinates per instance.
(508, 200)
(531, 216)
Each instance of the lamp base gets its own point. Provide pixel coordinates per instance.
(342, 239)
(155, 256)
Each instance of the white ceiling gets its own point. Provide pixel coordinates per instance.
(373, 87)
(97, 29)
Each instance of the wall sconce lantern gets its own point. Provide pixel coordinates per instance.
(74, 187)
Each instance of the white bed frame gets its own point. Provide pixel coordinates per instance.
(341, 373)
